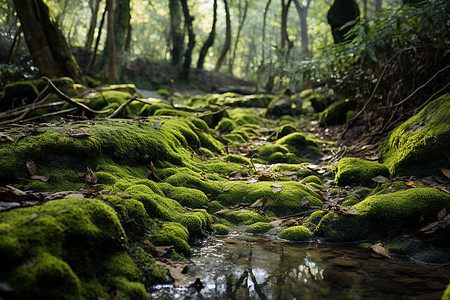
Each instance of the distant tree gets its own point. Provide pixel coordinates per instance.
(94, 6)
(111, 44)
(241, 18)
(302, 11)
(209, 41)
(227, 44)
(188, 19)
(176, 32)
(47, 45)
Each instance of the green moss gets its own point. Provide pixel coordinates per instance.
(172, 112)
(190, 181)
(446, 295)
(285, 130)
(300, 145)
(313, 179)
(356, 171)
(244, 116)
(389, 187)
(215, 206)
(238, 159)
(270, 149)
(352, 200)
(314, 220)
(225, 125)
(259, 227)
(188, 197)
(280, 198)
(276, 157)
(173, 234)
(337, 113)
(151, 272)
(419, 145)
(220, 229)
(92, 289)
(221, 167)
(16, 92)
(232, 138)
(149, 109)
(244, 217)
(296, 233)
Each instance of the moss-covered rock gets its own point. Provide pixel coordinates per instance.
(296, 233)
(420, 145)
(259, 227)
(18, 93)
(337, 113)
(173, 234)
(446, 295)
(220, 229)
(303, 147)
(285, 130)
(355, 171)
(245, 217)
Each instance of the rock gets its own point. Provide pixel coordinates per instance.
(420, 146)
(356, 171)
(336, 114)
(296, 233)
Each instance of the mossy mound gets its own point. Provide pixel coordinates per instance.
(18, 93)
(285, 130)
(258, 228)
(220, 229)
(296, 233)
(420, 145)
(386, 215)
(355, 171)
(279, 106)
(300, 145)
(320, 98)
(279, 198)
(245, 217)
(337, 113)
(69, 243)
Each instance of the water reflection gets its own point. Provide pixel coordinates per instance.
(254, 267)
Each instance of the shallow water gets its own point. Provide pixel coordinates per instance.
(256, 267)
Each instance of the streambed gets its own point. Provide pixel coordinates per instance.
(257, 267)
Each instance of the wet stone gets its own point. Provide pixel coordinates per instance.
(345, 262)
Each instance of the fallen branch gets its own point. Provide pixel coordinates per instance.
(213, 113)
(121, 107)
(30, 107)
(66, 98)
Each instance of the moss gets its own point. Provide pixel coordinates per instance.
(149, 109)
(300, 145)
(238, 159)
(92, 289)
(232, 138)
(270, 149)
(151, 272)
(285, 130)
(279, 198)
(446, 295)
(226, 125)
(105, 98)
(314, 220)
(386, 214)
(296, 233)
(337, 113)
(215, 206)
(419, 145)
(259, 227)
(222, 167)
(129, 289)
(356, 171)
(220, 229)
(172, 112)
(276, 157)
(188, 197)
(200, 124)
(16, 92)
(173, 234)
(313, 179)
(244, 217)
(352, 200)
(190, 181)
(244, 116)
(389, 187)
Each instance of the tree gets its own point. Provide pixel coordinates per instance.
(227, 43)
(188, 19)
(111, 44)
(262, 67)
(302, 11)
(94, 6)
(209, 41)
(46, 43)
(175, 31)
(242, 16)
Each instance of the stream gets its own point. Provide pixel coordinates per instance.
(257, 267)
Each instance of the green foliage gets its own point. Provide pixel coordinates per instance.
(296, 233)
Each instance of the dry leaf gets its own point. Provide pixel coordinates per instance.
(347, 211)
(177, 270)
(124, 196)
(257, 203)
(31, 166)
(277, 188)
(90, 176)
(80, 135)
(81, 174)
(252, 181)
(380, 179)
(43, 178)
(222, 211)
(304, 202)
(11, 194)
(379, 249)
(446, 172)
(409, 183)
(441, 214)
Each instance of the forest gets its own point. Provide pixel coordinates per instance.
(224, 149)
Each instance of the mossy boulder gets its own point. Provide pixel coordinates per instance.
(244, 217)
(320, 98)
(220, 229)
(302, 146)
(296, 234)
(279, 106)
(385, 215)
(285, 130)
(259, 227)
(420, 145)
(355, 171)
(18, 93)
(337, 113)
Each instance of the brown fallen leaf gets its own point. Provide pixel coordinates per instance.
(277, 188)
(222, 211)
(257, 203)
(446, 172)
(441, 214)
(81, 174)
(80, 135)
(124, 196)
(379, 249)
(177, 270)
(43, 178)
(380, 179)
(90, 176)
(304, 202)
(409, 183)
(347, 211)
(5, 138)
(11, 194)
(31, 166)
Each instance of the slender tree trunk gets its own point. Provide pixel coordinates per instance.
(365, 8)
(261, 67)
(47, 45)
(93, 57)
(378, 6)
(94, 5)
(303, 14)
(209, 41)
(122, 29)
(111, 44)
(227, 44)
(176, 33)
(241, 18)
(188, 19)
(285, 43)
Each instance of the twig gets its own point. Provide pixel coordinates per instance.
(55, 113)
(68, 99)
(16, 119)
(373, 91)
(29, 107)
(214, 112)
(122, 106)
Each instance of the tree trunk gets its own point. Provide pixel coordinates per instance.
(122, 29)
(303, 14)
(46, 43)
(93, 57)
(227, 44)
(209, 41)
(111, 43)
(93, 23)
(191, 42)
(242, 17)
(285, 43)
(261, 66)
(176, 32)
(378, 6)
